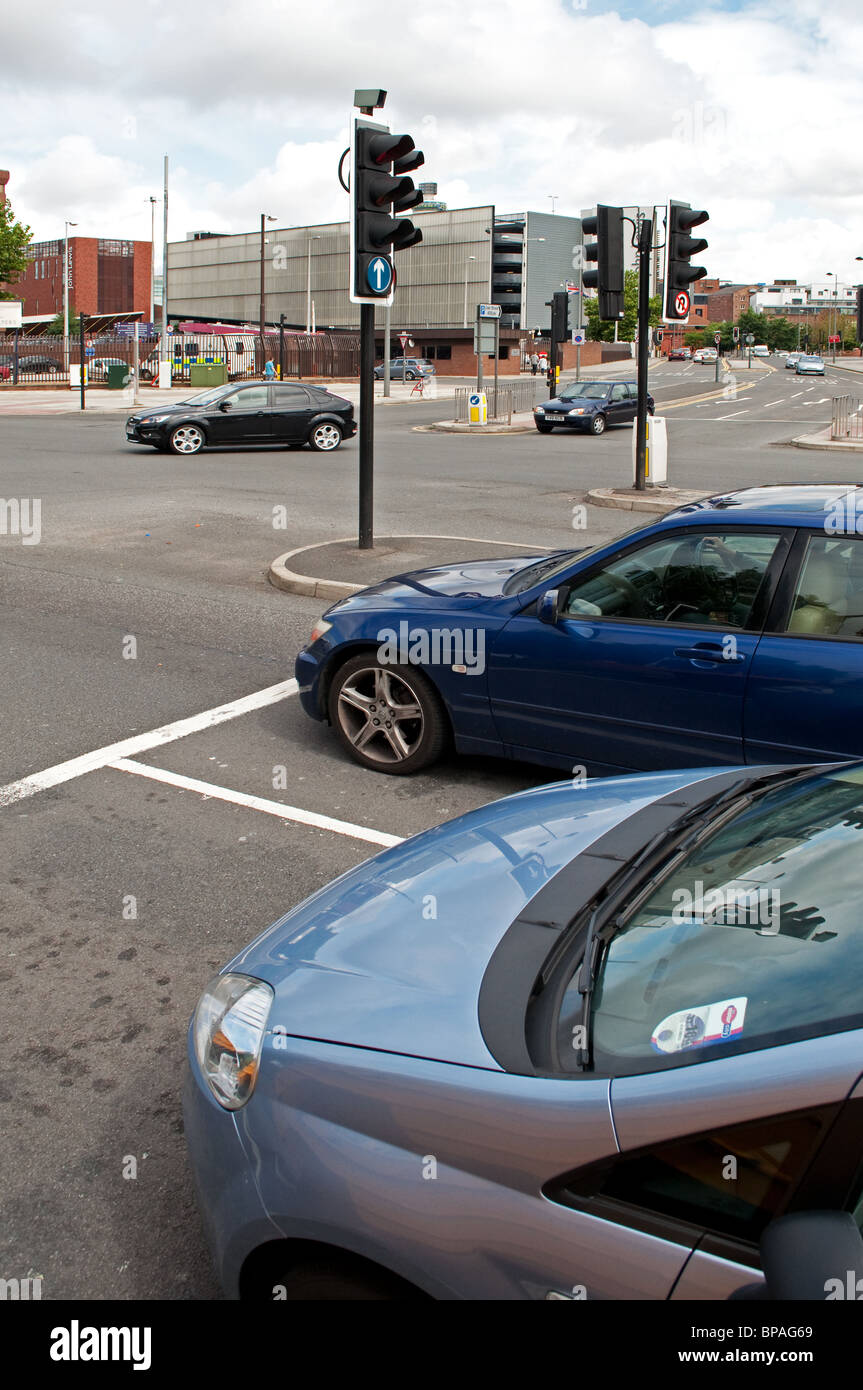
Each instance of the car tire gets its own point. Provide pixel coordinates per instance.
(359, 700)
(186, 439)
(651, 410)
(325, 437)
(544, 429)
(597, 424)
(410, 376)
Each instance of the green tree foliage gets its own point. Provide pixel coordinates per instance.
(56, 324)
(14, 240)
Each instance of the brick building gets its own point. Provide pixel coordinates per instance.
(714, 301)
(105, 277)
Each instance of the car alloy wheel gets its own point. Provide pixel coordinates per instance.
(388, 717)
(597, 424)
(325, 437)
(187, 439)
(410, 376)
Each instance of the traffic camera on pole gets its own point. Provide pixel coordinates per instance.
(607, 252)
(680, 247)
(380, 189)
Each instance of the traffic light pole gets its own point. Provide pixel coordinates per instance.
(367, 426)
(644, 238)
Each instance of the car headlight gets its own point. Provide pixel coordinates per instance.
(229, 1028)
(318, 630)
(579, 410)
(154, 419)
(538, 410)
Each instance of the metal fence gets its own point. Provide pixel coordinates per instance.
(847, 419)
(513, 398)
(40, 360)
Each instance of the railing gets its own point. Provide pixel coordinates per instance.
(40, 360)
(847, 418)
(514, 398)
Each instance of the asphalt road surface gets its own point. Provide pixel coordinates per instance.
(133, 874)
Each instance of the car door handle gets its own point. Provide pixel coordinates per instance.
(711, 653)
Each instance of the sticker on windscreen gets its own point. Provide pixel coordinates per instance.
(700, 1026)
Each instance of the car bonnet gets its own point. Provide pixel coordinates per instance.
(391, 956)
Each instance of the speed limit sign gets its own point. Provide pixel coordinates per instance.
(681, 304)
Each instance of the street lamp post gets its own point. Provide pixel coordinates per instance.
(466, 269)
(66, 294)
(265, 217)
(554, 198)
(833, 313)
(153, 202)
(316, 237)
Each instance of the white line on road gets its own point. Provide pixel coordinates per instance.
(140, 743)
(733, 415)
(256, 803)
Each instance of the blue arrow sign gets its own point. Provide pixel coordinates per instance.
(379, 275)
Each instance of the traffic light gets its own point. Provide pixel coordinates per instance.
(860, 313)
(559, 316)
(735, 333)
(607, 252)
(680, 247)
(380, 188)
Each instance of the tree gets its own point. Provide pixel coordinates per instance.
(14, 240)
(604, 332)
(56, 325)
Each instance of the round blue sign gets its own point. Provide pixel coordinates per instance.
(379, 275)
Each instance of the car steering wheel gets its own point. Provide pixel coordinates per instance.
(626, 588)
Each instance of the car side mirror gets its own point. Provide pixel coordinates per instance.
(548, 607)
(809, 1255)
(225, 405)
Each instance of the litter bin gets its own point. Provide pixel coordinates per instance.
(208, 374)
(119, 376)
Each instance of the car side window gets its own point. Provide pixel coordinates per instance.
(619, 393)
(250, 398)
(710, 579)
(290, 397)
(730, 1181)
(828, 599)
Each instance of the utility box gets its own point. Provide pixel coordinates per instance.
(656, 452)
(208, 374)
(477, 408)
(119, 376)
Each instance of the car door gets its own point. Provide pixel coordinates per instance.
(242, 416)
(805, 693)
(646, 665)
(619, 408)
(292, 412)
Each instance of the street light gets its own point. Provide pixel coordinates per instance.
(153, 202)
(554, 198)
(265, 217)
(466, 269)
(66, 281)
(316, 237)
(833, 315)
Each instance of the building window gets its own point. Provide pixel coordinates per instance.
(444, 352)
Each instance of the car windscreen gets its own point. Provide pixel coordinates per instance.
(550, 568)
(208, 397)
(752, 939)
(585, 390)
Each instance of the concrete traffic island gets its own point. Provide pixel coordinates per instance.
(337, 569)
(652, 499)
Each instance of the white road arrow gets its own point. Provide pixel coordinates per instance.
(379, 269)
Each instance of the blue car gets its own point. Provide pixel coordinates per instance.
(590, 1041)
(729, 632)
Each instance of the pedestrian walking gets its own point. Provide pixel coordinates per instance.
(269, 370)
(534, 363)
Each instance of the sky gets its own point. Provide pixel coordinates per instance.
(753, 111)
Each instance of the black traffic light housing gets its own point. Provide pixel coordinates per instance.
(860, 313)
(680, 247)
(380, 188)
(607, 252)
(559, 303)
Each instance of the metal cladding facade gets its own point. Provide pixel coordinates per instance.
(217, 277)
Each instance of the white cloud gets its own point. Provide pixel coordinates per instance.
(753, 113)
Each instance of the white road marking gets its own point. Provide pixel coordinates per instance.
(141, 743)
(257, 803)
(733, 415)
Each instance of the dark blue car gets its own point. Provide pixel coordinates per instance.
(730, 631)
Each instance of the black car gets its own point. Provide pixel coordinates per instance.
(590, 405)
(254, 413)
(38, 365)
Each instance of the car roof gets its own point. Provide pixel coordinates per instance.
(790, 504)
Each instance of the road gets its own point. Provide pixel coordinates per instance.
(128, 886)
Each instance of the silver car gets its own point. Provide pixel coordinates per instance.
(587, 1041)
(810, 366)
